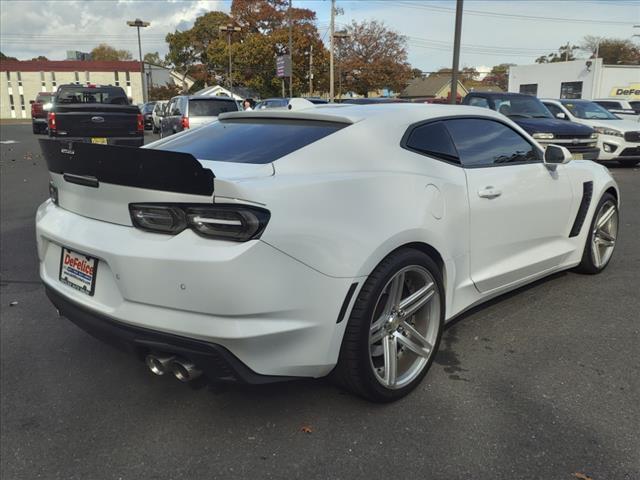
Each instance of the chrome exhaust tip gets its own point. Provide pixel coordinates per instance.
(185, 371)
(159, 364)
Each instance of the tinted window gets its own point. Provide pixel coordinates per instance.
(91, 95)
(479, 102)
(589, 110)
(554, 109)
(484, 142)
(210, 108)
(613, 105)
(250, 140)
(433, 139)
(520, 106)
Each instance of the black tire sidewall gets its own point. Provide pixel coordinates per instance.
(587, 265)
(397, 261)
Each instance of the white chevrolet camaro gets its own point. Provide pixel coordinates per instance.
(272, 245)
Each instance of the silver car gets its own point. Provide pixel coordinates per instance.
(188, 111)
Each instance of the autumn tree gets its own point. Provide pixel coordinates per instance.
(154, 58)
(499, 75)
(613, 51)
(374, 57)
(164, 92)
(108, 53)
(564, 54)
(5, 57)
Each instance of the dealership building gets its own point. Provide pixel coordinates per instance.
(588, 78)
(20, 81)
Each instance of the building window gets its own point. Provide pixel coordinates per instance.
(8, 80)
(19, 79)
(53, 81)
(117, 78)
(529, 89)
(571, 90)
(22, 102)
(77, 76)
(128, 78)
(43, 82)
(86, 78)
(11, 103)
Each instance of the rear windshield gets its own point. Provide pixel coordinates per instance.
(44, 97)
(211, 108)
(114, 96)
(249, 141)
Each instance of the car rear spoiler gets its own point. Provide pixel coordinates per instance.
(128, 166)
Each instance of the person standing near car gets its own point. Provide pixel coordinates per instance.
(248, 104)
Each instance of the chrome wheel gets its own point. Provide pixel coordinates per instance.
(604, 233)
(404, 327)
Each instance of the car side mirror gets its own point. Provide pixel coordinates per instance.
(556, 155)
(561, 116)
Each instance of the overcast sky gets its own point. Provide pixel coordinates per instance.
(493, 31)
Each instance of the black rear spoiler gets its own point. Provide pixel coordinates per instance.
(128, 166)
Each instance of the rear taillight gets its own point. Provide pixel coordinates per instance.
(237, 223)
(185, 122)
(51, 120)
(140, 123)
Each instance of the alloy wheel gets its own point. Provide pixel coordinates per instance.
(404, 327)
(604, 233)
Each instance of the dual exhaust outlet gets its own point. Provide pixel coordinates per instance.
(182, 369)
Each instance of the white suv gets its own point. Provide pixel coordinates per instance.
(618, 139)
(627, 109)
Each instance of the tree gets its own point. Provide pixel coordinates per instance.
(182, 53)
(4, 57)
(613, 51)
(39, 58)
(374, 58)
(164, 92)
(108, 53)
(416, 73)
(154, 59)
(499, 75)
(564, 54)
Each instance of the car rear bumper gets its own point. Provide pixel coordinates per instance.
(121, 141)
(273, 313)
(216, 362)
(40, 121)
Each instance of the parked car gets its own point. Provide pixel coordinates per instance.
(147, 111)
(188, 111)
(267, 247)
(628, 109)
(283, 102)
(529, 112)
(39, 110)
(618, 139)
(372, 101)
(157, 114)
(95, 114)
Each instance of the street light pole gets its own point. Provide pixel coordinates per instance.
(456, 53)
(145, 84)
(230, 29)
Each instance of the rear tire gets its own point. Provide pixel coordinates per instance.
(602, 236)
(399, 310)
(628, 163)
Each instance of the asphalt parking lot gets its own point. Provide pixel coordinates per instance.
(543, 383)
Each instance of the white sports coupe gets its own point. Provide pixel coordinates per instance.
(272, 245)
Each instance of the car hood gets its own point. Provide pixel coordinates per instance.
(622, 125)
(551, 125)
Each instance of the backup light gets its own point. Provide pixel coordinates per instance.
(226, 222)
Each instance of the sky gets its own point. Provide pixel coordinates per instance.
(493, 32)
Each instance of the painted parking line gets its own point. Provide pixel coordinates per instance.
(6, 142)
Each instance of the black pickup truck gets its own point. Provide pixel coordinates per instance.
(95, 114)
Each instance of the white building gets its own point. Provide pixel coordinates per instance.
(588, 78)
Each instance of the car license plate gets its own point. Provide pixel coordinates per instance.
(100, 140)
(577, 156)
(78, 271)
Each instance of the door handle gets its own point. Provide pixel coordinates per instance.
(489, 192)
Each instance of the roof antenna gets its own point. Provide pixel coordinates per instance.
(299, 104)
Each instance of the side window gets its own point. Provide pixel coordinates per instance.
(479, 102)
(554, 109)
(484, 143)
(608, 105)
(171, 107)
(434, 140)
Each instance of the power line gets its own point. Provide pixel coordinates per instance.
(483, 13)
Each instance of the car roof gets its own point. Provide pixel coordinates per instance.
(402, 113)
(500, 94)
(209, 97)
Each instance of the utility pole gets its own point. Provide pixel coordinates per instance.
(456, 53)
(332, 32)
(229, 29)
(145, 84)
(290, 52)
(566, 53)
(340, 36)
(311, 70)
